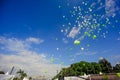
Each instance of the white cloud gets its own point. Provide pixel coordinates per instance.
(114, 58)
(34, 40)
(13, 44)
(22, 57)
(74, 32)
(111, 7)
(85, 53)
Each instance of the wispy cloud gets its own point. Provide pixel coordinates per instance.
(114, 59)
(34, 40)
(111, 7)
(86, 53)
(106, 51)
(23, 57)
(74, 32)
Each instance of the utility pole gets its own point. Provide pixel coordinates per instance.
(57, 71)
(11, 70)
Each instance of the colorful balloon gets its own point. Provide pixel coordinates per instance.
(76, 42)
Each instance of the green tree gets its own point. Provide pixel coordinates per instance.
(116, 68)
(16, 78)
(105, 65)
(2, 72)
(95, 68)
(30, 78)
(22, 74)
(82, 67)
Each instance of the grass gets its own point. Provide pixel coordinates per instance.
(118, 74)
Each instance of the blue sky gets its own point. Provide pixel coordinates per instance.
(48, 29)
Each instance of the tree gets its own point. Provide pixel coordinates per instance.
(80, 68)
(116, 68)
(105, 65)
(16, 78)
(22, 74)
(30, 78)
(2, 72)
(95, 68)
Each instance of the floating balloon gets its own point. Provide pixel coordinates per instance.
(62, 30)
(94, 36)
(71, 48)
(82, 48)
(59, 6)
(56, 39)
(88, 45)
(76, 42)
(57, 49)
(52, 60)
(87, 19)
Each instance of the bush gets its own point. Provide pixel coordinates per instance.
(105, 77)
(118, 74)
(1, 72)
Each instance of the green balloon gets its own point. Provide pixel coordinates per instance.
(88, 45)
(94, 36)
(76, 42)
(85, 32)
(52, 60)
(71, 48)
(89, 35)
